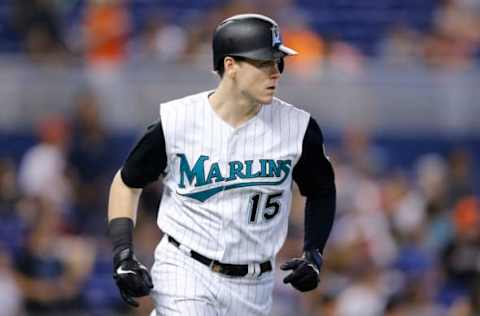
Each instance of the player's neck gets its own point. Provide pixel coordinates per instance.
(235, 109)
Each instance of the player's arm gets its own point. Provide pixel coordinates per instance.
(123, 200)
(145, 163)
(315, 178)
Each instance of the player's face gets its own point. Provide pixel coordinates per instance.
(258, 80)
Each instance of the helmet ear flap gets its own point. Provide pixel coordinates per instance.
(280, 65)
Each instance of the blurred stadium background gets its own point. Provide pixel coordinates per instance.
(393, 83)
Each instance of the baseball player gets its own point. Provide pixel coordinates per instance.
(228, 158)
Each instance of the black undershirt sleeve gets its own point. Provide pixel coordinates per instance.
(315, 178)
(147, 160)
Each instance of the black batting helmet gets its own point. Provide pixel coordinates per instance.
(252, 36)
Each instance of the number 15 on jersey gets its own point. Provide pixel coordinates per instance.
(263, 207)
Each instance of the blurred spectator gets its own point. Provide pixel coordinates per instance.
(361, 224)
(461, 307)
(460, 19)
(89, 152)
(419, 299)
(42, 172)
(13, 226)
(51, 269)
(200, 29)
(233, 7)
(400, 47)
(414, 262)
(344, 57)
(455, 39)
(431, 186)
(90, 160)
(323, 304)
(11, 299)
(8, 183)
(99, 293)
(396, 305)
(461, 255)
(365, 294)
(39, 28)
(160, 41)
(445, 51)
(298, 35)
(460, 174)
(107, 28)
(358, 151)
(431, 172)
(403, 205)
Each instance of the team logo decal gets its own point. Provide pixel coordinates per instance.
(276, 39)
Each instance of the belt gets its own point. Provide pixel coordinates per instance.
(235, 270)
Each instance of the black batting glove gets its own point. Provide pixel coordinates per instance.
(306, 271)
(132, 277)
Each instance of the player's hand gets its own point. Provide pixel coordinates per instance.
(132, 278)
(306, 271)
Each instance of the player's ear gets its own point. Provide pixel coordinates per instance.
(230, 66)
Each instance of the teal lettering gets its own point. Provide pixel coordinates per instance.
(285, 165)
(236, 168)
(215, 174)
(263, 168)
(196, 175)
(248, 170)
(198, 171)
(273, 169)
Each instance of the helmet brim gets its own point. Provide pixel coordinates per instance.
(265, 54)
(287, 50)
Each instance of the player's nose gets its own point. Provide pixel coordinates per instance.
(275, 71)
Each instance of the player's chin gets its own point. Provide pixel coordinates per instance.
(266, 98)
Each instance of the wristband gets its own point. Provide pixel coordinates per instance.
(120, 231)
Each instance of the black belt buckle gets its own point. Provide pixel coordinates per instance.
(234, 270)
(216, 267)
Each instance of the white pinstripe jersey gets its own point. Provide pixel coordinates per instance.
(228, 190)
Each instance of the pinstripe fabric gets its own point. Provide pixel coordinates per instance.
(186, 287)
(227, 196)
